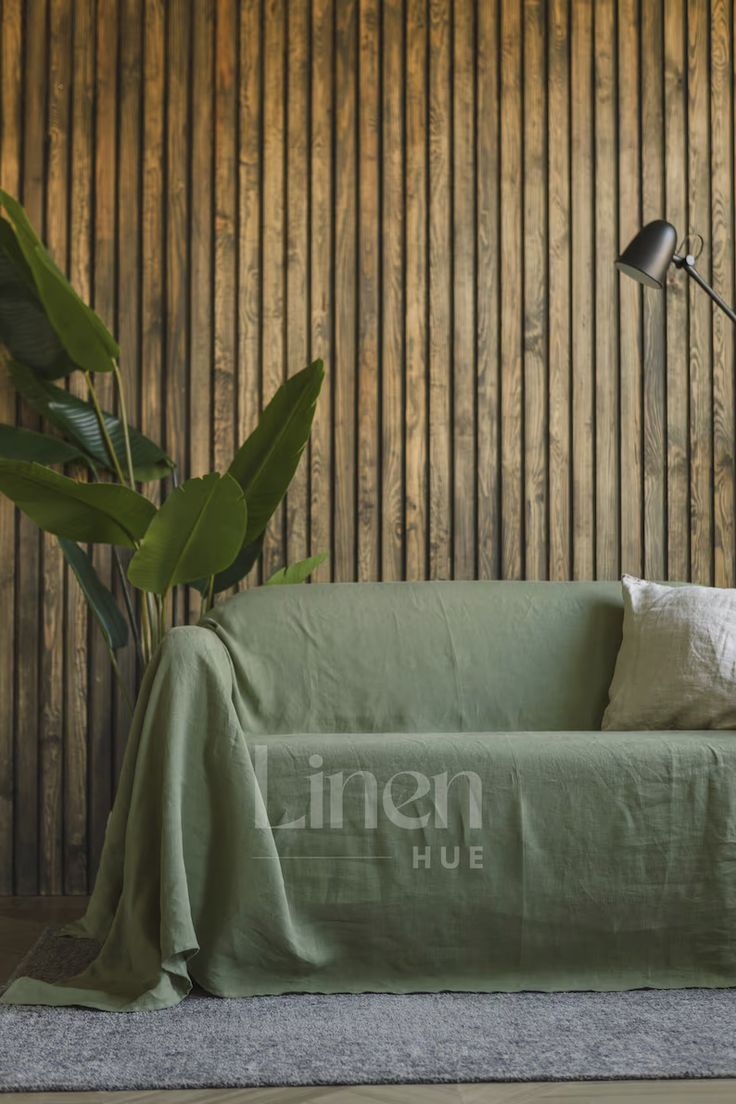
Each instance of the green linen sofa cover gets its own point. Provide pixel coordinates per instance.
(402, 787)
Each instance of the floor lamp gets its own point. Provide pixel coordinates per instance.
(648, 256)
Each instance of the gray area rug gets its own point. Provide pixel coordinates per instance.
(361, 1039)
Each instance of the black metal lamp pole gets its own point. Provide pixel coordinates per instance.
(648, 256)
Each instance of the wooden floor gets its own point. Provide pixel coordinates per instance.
(22, 919)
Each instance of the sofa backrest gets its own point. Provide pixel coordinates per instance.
(422, 657)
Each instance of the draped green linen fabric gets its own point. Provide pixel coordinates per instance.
(592, 861)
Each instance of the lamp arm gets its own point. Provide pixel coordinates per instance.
(687, 264)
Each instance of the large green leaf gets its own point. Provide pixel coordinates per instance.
(104, 513)
(265, 464)
(100, 600)
(197, 532)
(76, 418)
(24, 328)
(82, 333)
(298, 572)
(25, 444)
(238, 569)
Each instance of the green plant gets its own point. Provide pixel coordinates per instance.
(207, 533)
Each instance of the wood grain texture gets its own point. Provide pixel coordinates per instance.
(10, 174)
(51, 690)
(429, 195)
(654, 349)
(345, 288)
(722, 224)
(630, 332)
(511, 242)
(440, 291)
(76, 675)
(368, 365)
(582, 51)
(296, 206)
(678, 315)
(273, 322)
(536, 419)
(416, 320)
(392, 236)
(321, 276)
(488, 288)
(559, 338)
(28, 558)
(607, 500)
(701, 313)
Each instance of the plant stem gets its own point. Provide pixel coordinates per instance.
(121, 680)
(146, 628)
(124, 420)
(103, 428)
(128, 603)
(210, 595)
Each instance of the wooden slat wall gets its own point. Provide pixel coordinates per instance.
(427, 193)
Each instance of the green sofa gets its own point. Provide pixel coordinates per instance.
(404, 787)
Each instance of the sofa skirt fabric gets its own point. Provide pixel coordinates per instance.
(499, 861)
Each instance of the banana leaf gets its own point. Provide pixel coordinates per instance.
(100, 600)
(82, 333)
(17, 443)
(25, 330)
(103, 513)
(77, 420)
(298, 572)
(197, 532)
(265, 464)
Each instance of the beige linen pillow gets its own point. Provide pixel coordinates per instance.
(676, 667)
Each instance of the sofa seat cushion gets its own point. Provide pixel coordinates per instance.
(594, 861)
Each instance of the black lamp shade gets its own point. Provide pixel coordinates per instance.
(648, 256)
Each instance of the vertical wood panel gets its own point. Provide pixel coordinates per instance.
(535, 294)
(583, 355)
(176, 336)
(630, 344)
(296, 198)
(416, 521)
(10, 173)
(322, 119)
(152, 221)
(465, 461)
(511, 244)
(606, 288)
(701, 311)
(128, 252)
(392, 236)
(201, 231)
(722, 230)
(368, 366)
(345, 290)
(28, 563)
(654, 348)
(76, 859)
(677, 306)
(488, 291)
(104, 295)
(51, 688)
(440, 293)
(273, 333)
(250, 128)
(430, 195)
(225, 198)
(559, 290)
